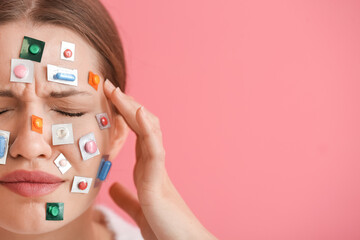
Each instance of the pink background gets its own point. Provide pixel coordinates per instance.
(259, 106)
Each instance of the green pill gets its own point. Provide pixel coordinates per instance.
(54, 210)
(34, 49)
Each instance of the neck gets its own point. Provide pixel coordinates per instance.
(82, 228)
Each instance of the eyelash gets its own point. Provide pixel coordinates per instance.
(78, 114)
(4, 111)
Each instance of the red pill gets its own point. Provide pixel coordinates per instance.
(82, 185)
(67, 53)
(104, 121)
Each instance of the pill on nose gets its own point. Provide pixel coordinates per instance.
(21, 71)
(37, 124)
(67, 53)
(90, 147)
(82, 185)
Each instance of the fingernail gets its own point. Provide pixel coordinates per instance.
(108, 85)
(118, 91)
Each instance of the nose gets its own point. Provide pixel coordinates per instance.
(29, 144)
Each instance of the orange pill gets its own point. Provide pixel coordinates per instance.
(37, 124)
(94, 80)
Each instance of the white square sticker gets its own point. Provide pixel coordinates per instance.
(62, 75)
(67, 51)
(4, 145)
(81, 184)
(62, 134)
(22, 71)
(62, 163)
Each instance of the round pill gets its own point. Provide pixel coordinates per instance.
(54, 210)
(34, 49)
(104, 121)
(37, 123)
(20, 71)
(67, 53)
(82, 185)
(61, 133)
(62, 162)
(90, 147)
(96, 79)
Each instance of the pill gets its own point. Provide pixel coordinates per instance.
(61, 132)
(65, 77)
(2, 146)
(90, 147)
(104, 121)
(54, 210)
(63, 163)
(34, 49)
(67, 53)
(104, 170)
(82, 185)
(20, 71)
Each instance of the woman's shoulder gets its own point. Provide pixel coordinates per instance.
(120, 229)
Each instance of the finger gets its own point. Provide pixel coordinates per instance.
(151, 134)
(124, 103)
(126, 201)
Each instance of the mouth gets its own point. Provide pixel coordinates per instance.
(31, 184)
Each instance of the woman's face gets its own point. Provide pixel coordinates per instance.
(52, 102)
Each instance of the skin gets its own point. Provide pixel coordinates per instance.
(158, 209)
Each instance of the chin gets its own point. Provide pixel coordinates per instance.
(28, 219)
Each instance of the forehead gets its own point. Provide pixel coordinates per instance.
(11, 37)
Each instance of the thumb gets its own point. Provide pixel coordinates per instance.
(126, 201)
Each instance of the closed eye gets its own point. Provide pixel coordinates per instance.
(69, 114)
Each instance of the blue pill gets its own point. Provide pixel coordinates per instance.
(104, 170)
(65, 76)
(2, 146)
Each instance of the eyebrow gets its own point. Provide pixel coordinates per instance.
(63, 94)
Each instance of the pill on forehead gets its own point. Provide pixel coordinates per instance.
(62, 75)
(67, 51)
(22, 71)
(32, 49)
(94, 80)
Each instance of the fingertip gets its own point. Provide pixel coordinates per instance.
(108, 86)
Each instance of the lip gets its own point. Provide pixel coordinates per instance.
(31, 183)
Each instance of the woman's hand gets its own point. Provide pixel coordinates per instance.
(160, 212)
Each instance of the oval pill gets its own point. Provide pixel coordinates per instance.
(104, 170)
(2, 146)
(65, 76)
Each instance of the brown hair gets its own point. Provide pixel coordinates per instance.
(89, 18)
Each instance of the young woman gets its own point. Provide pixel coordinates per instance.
(29, 179)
